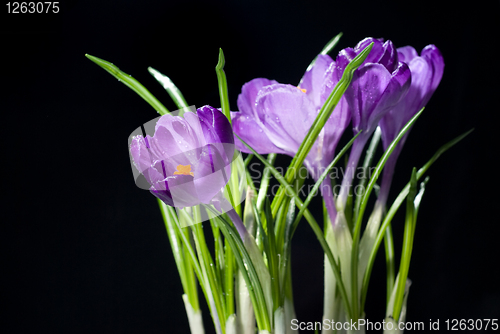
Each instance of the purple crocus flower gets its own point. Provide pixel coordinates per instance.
(377, 86)
(426, 73)
(275, 118)
(187, 161)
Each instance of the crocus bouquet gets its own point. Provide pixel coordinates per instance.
(192, 162)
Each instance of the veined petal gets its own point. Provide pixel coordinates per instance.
(215, 126)
(313, 80)
(367, 88)
(375, 91)
(144, 160)
(407, 53)
(174, 135)
(217, 130)
(212, 172)
(251, 132)
(286, 114)
(177, 191)
(377, 50)
(142, 156)
(172, 145)
(390, 57)
(432, 54)
(426, 73)
(249, 92)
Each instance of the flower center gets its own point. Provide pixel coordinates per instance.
(183, 170)
(302, 89)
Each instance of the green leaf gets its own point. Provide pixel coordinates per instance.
(171, 88)
(404, 266)
(131, 83)
(326, 50)
(221, 78)
(273, 262)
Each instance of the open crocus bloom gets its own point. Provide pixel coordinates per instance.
(275, 118)
(187, 160)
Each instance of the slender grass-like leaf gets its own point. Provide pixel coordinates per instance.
(404, 266)
(326, 50)
(273, 262)
(389, 261)
(287, 247)
(221, 78)
(131, 83)
(171, 88)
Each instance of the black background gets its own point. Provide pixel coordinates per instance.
(85, 251)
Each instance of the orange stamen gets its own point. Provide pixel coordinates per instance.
(302, 89)
(183, 170)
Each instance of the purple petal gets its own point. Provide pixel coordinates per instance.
(426, 72)
(377, 50)
(407, 53)
(363, 95)
(249, 91)
(432, 54)
(374, 92)
(217, 130)
(212, 173)
(144, 159)
(173, 136)
(215, 126)
(172, 146)
(176, 191)
(286, 114)
(390, 57)
(313, 80)
(251, 132)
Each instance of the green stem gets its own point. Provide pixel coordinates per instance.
(404, 266)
